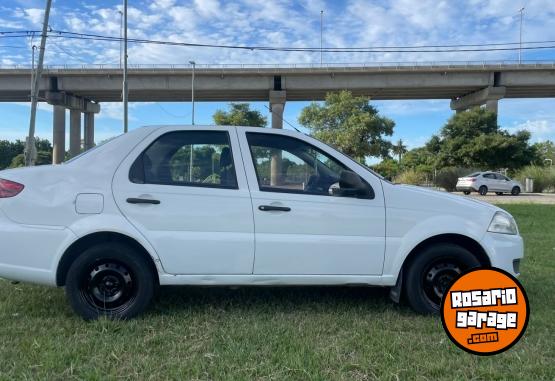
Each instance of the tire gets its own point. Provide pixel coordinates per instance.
(499, 193)
(515, 191)
(111, 280)
(432, 271)
(483, 190)
(466, 192)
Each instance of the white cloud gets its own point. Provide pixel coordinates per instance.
(538, 128)
(34, 15)
(208, 8)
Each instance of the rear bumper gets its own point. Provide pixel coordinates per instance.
(505, 251)
(28, 252)
(465, 188)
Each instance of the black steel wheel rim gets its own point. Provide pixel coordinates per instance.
(437, 278)
(109, 286)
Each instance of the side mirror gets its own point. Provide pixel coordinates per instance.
(351, 185)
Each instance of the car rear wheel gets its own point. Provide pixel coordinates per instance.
(466, 192)
(110, 280)
(432, 271)
(483, 190)
(515, 191)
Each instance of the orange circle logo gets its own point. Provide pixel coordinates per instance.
(485, 311)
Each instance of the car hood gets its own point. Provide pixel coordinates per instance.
(419, 198)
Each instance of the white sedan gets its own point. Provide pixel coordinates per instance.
(212, 205)
(484, 182)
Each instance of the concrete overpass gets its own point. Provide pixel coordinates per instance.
(82, 89)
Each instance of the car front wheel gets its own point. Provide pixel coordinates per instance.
(466, 192)
(515, 191)
(111, 280)
(432, 271)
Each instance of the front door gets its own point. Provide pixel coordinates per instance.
(186, 192)
(305, 223)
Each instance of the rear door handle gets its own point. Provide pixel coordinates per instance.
(132, 200)
(269, 208)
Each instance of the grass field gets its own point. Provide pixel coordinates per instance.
(274, 333)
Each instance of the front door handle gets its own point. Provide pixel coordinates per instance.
(132, 200)
(269, 208)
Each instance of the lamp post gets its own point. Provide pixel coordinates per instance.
(193, 92)
(321, 37)
(521, 10)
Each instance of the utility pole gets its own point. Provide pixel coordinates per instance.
(321, 37)
(193, 63)
(125, 88)
(30, 149)
(521, 10)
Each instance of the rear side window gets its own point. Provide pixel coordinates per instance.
(187, 158)
(490, 176)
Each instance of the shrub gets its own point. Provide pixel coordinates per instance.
(410, 176)
(544, 177)
(447, 177)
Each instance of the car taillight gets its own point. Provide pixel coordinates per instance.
(472, 179)
(10, 188)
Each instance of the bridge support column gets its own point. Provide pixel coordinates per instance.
(74, 133)
(492, 105)
(59, 135)
(489, 96)
(277, 104)
(76, 105)
(89, 131)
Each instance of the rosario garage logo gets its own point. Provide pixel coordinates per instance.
(485, 311)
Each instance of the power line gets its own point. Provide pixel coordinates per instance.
(486, 47)
(282, 118)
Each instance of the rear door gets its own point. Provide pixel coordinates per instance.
(186, 191)
(504, 183)
(306, 223)
(491, 181)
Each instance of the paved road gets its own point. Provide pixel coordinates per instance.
(533, 198)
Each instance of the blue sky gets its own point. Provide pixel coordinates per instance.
(282, 23)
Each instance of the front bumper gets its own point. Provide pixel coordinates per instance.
(505, 251)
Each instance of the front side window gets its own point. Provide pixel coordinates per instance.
(285, 164)
(190, 158)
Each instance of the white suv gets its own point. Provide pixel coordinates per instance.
(213, 205)
(484, 182)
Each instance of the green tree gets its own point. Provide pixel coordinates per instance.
(388, 168)
(544, 150)
(350, 124)
(11, 153)
(239, 114)
(399, 149)
(473, 139)
(420, 159)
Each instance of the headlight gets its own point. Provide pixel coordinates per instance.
(503, 223)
